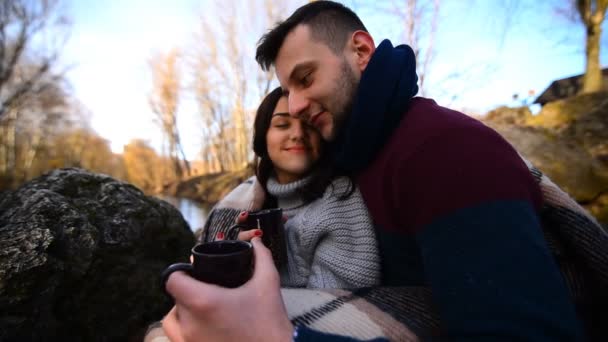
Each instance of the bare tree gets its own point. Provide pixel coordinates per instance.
(226, 81)
(142, 166)
(24, 71)
(591, 14)
(209, 94)
(32, 91)
(421, 22)
(418, 21)
(164, 100)
(45, 114)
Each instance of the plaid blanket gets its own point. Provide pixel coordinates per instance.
(580, 247)
(578, 242)
(248, 196)
(398, 314)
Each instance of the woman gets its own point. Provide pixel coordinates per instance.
(329, 233)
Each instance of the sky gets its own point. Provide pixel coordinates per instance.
(495, 47)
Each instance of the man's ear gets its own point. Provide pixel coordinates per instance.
(364, 47)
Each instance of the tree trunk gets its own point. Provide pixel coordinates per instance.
(30, 155)
(3, 150)
(592, 80)
(592, 15)
(11, 143)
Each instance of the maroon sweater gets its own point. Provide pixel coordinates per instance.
(456, 209)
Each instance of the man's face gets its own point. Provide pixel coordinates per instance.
(320, 84)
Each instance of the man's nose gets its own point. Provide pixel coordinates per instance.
(297, 105)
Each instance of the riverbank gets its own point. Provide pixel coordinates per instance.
(209, 189)
(194, 212)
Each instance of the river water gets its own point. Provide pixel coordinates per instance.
(194, 212)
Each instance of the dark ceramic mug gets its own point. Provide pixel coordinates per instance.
(270, 221)
(227, 263)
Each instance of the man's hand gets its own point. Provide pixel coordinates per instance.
(254, 311)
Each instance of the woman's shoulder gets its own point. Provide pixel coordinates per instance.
(341, 204)
(248, 195)
(340, 187)
(342, 180)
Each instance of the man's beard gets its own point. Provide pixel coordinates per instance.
(346, 87)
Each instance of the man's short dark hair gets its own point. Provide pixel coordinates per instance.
(330, 22)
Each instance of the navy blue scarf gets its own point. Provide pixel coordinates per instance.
(387, 84)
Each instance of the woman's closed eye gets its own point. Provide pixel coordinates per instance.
(281, 125)
(281, 122)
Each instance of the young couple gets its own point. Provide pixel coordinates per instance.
(454, 208)
(328, 231)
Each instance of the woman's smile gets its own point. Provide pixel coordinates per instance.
(297, 148)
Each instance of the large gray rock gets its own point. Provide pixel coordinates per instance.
(568, 164)
(80, 258)
(568, 141)
(509, 116)
(591, 130)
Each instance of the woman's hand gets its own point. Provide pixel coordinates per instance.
(245, 235)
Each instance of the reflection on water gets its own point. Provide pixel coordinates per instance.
(194, 213)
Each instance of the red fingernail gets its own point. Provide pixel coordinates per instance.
(243, 213)
(257, 233)
(220, 235)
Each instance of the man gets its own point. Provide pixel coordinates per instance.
(454, 206)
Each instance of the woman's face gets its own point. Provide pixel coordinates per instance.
(293, 145)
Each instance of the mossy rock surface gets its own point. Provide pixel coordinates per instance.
(80, 258)
(568, 141)
(560, 114)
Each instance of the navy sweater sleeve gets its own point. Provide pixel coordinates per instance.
(472, 206)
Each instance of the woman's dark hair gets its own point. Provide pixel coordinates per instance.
(322, 174)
